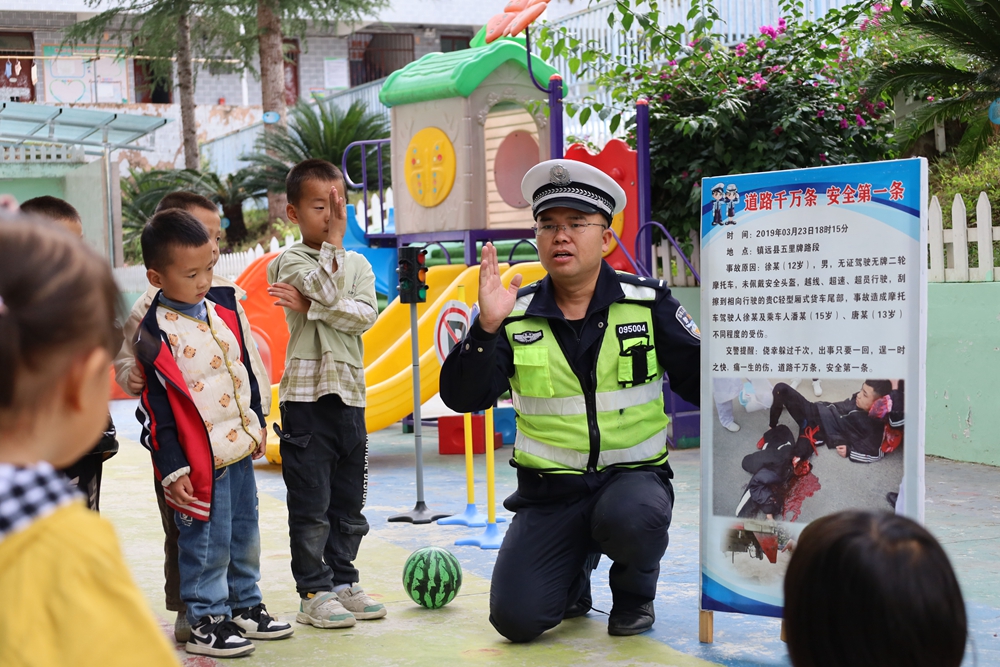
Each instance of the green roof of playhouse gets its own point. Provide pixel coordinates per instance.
(438, 76)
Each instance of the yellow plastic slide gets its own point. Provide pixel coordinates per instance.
(388, 357)
(396, 317)
(391, 399)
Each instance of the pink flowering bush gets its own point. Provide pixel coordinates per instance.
(792, 97)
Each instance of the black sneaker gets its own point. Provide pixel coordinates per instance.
(256, 623)
(218, 637)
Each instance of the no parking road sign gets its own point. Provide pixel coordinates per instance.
(452, 324)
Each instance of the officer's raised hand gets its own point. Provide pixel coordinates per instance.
(495, 301)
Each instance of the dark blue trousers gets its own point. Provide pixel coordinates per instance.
(551, 548)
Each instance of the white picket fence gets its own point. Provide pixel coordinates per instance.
(668, 264)
(230, 265)
(949, 248)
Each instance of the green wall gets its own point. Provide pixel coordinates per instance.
(963, 371)
(29, 188)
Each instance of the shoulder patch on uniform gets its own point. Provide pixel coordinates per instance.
(639, 288)
(688, 322)
(633, 279)
(529, 289)
(527, 337)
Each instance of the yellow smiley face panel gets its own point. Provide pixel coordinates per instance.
(430, 167)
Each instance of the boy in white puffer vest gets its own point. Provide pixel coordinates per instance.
(201, 415)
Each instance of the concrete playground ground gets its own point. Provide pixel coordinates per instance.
(963, 511)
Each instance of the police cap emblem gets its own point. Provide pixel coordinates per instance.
(558, 175)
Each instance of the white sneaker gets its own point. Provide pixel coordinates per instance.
(324, 610)
(218, 637)
(817, 388)
(360, 604)
(794, 384)
(256, 623)
(732, 427)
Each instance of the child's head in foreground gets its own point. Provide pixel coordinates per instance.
(58, 303)
(179, 255)
(867, 589)
(203, 210)
(57, 210)
(307, 187)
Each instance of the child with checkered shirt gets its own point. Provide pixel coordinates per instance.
(329, 299)
(69, 597)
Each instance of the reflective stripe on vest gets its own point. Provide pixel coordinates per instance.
(607, 401)
(556, 433)
(646, 449)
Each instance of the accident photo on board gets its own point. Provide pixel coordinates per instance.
(795, 449)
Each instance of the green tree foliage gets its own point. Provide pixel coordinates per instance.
(229, 192)
(323, 131)
(160, 32)
(141, 192)
(945, 53)
(791, 96)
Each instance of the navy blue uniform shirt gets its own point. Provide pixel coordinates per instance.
(478, 371)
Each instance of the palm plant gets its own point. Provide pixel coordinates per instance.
(323, 131)
(948, 48)
(141, 192)
(230, 193)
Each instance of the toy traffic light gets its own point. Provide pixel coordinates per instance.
(412, 275)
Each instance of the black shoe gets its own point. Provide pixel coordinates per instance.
(256, 623)
(218, 637)
(631, 622)
(892, 497)
(577, 609)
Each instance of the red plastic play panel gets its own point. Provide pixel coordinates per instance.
(619, 162)
(267, 321)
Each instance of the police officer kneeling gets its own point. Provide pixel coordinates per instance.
(583, 352)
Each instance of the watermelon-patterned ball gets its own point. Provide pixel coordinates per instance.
(432, 577)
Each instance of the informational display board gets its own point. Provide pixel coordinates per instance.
(336, 74)
(814, 336)
(77, 76)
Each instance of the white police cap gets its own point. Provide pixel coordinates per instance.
(574, 185)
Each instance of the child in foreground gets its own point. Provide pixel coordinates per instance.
(324, 443)
(201, 416)
(871, 589)
(69, 597)
(86, 473)
(129, 378)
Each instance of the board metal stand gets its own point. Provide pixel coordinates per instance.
(420, 512)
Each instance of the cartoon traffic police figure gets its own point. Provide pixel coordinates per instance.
(732, 196)
(717, 197)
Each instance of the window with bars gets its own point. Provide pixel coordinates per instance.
(454, 43)
(378, 54)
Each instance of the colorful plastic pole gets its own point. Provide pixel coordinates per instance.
(645, 208)
(555, 117)
(470, 517)
(491, 538)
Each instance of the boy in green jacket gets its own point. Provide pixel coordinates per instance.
(329, 300)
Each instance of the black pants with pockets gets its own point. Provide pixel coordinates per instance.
(324, 462)
(550, 549)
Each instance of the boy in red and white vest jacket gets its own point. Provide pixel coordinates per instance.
(201, 415)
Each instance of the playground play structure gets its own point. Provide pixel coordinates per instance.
(466, 126)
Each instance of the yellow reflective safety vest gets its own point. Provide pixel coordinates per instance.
(561, 428)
